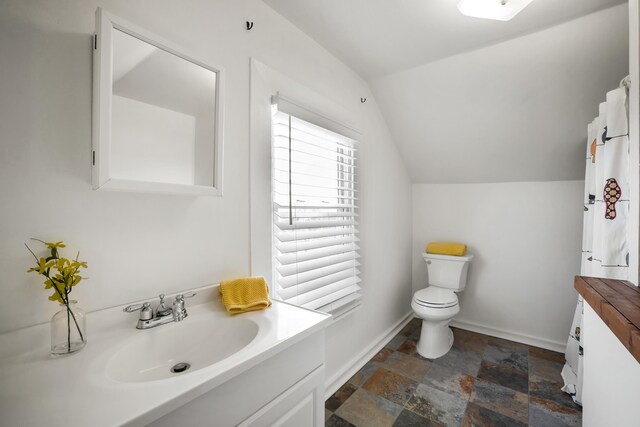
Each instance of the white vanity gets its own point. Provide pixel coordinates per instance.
(260, 368)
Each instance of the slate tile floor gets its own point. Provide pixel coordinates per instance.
(482, 381)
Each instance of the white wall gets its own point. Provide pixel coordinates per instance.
(515, 111)
(139, 245)
(611, 377)
(526, 238)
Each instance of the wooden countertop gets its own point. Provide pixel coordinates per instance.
(617, 302)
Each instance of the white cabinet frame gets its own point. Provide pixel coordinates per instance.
(106, 23)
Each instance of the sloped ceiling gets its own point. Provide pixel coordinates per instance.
(515, 111)
(379, 37)
(471, 100)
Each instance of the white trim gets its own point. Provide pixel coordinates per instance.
(511, 336)
(159, 187)
(352, 308)
(355, 364)
(106, 23)
(309, 114)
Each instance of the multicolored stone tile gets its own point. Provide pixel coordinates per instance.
(500, 399)
(513, 358)
(543, 413)
(542, 388)
(437, 406)
(505, 376)
(363, 374)
(500, 342)
(391, 386)
(467, 340)
(415, 334)
(416, 322)
(339, 397)
(408, 347)
(449, 380)
(545, 368)
(411, 419)
(542, 353)
(482, 381)
(465, 361)
(478, 416)
(410, 367)
(395, 342)
(382, 355)
(407, 330)
(336, 421)
(364, 408)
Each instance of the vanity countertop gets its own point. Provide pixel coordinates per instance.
(75, 390)
(617, 303)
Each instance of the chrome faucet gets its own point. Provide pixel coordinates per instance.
(163, 314)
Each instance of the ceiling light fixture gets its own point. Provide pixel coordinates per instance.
(501, 10)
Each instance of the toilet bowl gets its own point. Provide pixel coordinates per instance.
(437, 304)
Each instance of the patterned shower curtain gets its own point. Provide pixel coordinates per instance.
(606, 208)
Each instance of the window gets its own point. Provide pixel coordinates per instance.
(315, 208)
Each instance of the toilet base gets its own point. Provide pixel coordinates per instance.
(436, 339)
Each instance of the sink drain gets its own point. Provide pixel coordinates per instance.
(180, 367)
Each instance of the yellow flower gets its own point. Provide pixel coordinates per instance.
(59, 244)
(61, 274)
(62, 262)
(79, 264)
(42, 266)
(56, 297)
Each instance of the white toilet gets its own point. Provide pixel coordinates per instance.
(437, 304)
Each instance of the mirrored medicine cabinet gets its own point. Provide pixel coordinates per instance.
(157, 114)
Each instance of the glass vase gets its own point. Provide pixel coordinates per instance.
(68, 329)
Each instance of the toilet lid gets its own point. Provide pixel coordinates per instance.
(433, 296)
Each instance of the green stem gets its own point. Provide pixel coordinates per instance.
(65, 299)
(76, 322)
(68, 331)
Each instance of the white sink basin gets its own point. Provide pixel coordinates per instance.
(198, 342)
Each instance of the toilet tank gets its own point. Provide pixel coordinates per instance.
(449, 272)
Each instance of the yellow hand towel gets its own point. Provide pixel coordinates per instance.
(245, 294)
(447, 248)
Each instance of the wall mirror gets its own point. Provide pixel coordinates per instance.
(157, 114)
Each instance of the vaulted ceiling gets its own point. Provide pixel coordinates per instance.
(378, 37)
(471, 100)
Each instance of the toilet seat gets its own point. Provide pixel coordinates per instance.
(434, 297)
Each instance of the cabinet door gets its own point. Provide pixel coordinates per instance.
(301, 405)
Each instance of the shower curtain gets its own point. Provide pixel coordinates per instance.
(606, 208)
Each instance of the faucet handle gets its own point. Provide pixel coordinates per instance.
(179, 312)
(181, 297)
(136, 307)
(146, 312)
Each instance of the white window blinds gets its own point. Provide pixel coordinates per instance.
(315, 210)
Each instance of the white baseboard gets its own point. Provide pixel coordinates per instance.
(354, 365)
(510, 335)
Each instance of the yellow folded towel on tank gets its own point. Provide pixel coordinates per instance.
(447, 248)
(245, 294)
